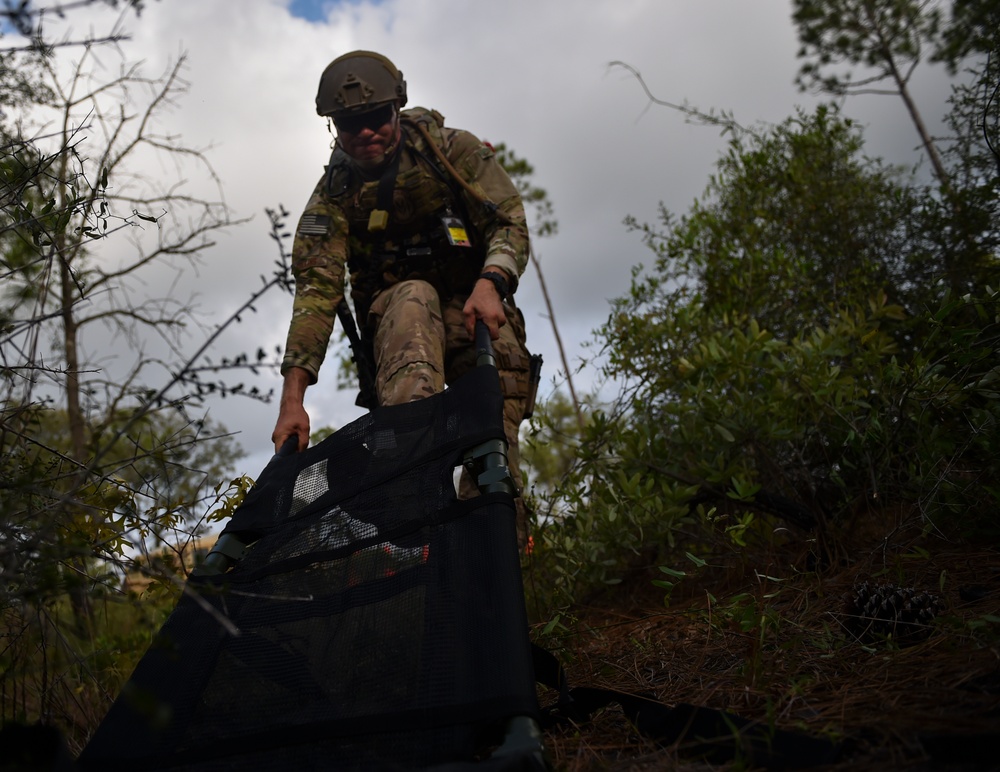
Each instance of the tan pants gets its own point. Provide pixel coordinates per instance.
(421, 345)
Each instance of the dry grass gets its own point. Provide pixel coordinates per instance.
(766, 639)
(771, 645)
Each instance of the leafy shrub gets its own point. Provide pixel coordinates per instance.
(783, 364)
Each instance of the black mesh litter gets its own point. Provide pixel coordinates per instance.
(376, 622)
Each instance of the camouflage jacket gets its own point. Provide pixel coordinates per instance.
(421, 240)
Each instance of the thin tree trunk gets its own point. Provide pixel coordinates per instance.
(911, 106)
(559, 343)
(74, 410)
(939, 171)
(926, 140)
(75, 572)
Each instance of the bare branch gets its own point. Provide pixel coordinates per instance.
(723, 120)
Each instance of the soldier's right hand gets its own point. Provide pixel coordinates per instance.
(484, 304)
(292, 416)
(293, 420)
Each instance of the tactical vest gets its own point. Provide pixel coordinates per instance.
(415, 243)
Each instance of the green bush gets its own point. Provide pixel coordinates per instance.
(783, 368)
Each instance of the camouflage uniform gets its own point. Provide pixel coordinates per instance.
(409, 282)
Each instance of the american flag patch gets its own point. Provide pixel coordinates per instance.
(314, 225)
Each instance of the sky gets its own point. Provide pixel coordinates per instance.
(533, 74)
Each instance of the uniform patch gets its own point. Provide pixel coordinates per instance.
(314, 225)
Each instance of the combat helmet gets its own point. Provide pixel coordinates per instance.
(357, 82)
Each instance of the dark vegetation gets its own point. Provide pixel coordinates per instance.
(762, 638)
(789, 511)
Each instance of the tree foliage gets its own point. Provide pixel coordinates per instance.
(887, 38)
(816, 339)
(782, 212)
(104, 451)
(793, 359)
(27, 21)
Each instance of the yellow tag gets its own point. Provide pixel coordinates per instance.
(459, 237)
(455, 229)
(378, 221)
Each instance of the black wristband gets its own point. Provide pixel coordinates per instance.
(498, 281)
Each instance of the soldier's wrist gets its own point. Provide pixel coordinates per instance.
(499, 282)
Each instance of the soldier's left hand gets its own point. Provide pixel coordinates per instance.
(484, 303)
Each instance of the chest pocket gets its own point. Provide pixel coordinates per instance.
(415, 245)
(419, 200)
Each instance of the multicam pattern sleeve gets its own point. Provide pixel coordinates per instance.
(320, 251)
(507, 244)
(319, 257)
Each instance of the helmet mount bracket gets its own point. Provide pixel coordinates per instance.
(354, 93)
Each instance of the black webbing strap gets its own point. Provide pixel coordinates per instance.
(387, 182)
(714, 735)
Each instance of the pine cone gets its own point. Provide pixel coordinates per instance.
(886, 611)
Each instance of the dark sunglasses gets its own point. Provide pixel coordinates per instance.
(374, 120)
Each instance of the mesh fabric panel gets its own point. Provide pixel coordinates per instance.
(376, 623)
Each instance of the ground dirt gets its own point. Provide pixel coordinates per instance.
(770, 638)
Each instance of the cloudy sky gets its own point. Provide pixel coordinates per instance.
(533, 74)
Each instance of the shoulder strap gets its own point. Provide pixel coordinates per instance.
(379, 219)
(420, 122)
(431, 119)
(338, 172)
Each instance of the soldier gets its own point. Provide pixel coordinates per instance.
(432, 233)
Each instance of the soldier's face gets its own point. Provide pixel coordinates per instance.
(368, 137)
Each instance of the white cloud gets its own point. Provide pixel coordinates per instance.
(530, 73)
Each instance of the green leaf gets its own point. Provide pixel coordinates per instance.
(723, 432)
